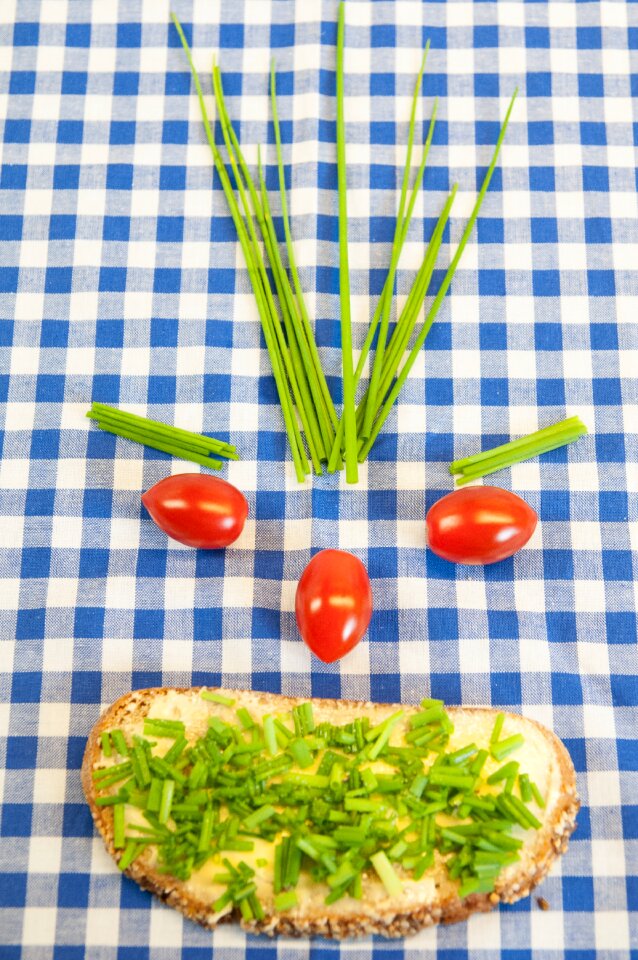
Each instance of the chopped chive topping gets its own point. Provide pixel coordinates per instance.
(118, 827)
(217, 698)
(498, 726)
(105, 740)
(118, 741)
(386, 874)
(502, 748)
(285, 901)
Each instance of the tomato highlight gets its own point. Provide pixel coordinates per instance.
(197, 510)
(479, 525)
(333, 604)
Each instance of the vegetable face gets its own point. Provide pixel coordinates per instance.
(197, 510)
(479, 525)
(333, 604)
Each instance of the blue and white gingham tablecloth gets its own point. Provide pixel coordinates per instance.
(121, 280)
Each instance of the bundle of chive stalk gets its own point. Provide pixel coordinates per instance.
(533, 445)
(179, 443)
(301, 384)
(249, 779)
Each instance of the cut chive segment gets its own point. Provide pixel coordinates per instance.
(220, 698)
(118, 827)
(386, 873)
(349, 414)
(285, 901)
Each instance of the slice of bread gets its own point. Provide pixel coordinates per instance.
(432, 899)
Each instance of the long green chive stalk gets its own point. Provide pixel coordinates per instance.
(349, 413)
(525, 448)
(386, 406)
(215, 796)
(159, 436)
(394, 259)
(292, 430)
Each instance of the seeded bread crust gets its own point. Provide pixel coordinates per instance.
(389, 921)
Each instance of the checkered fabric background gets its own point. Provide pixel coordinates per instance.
(121, 281)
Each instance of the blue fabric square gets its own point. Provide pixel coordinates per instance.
(382, 505)
(617, 565)
(382, 177)
(77, 820)
(151, 563)
(607, 391)
(590, 85)
(548, 336)
(282, 35)
(383, 627)
(544, 230)
(175, 131)
(622, 627)
(502, 624)
(17, 131)
(109, 333)
(74, 82)
(217, 388)
(89, 622)
(207, 624)
(494, 391)
(613, 506)
(54, 333)
(505, 688)
(555, 505)
(492, 283)
(22, 81)
(593, 134)
(382, 35)
(97, 503)
(116, 228)
(39, 503)
(177, 84)
(8, 279)
(44, 444)
(601, 283)
(486, 85)
(112, 279)
(94, 562)
(604, 336)
(129, 35)
(126, 83)
(13, 889)
(537, 37)
(66, 176)
(26, 34)
(630, 822)
(266, 623)
(540, 132)
(26, 687)
(78, 34)
(269, 565)
(30, 624)
(382, 562)
(36, 562)
(122, 132)
(561, 626)
(62, 226)
(10, 227)
(578, 894)
(106, 389)
(486, 36)
(21, 755)
(550, 392)
(163, 332)
(148, 624)
(70, 131)
(119, 176)
(382, 85)
(596, 179)
(566, 689)
(13, 176)
(493, 336)
(381, 131)
(546, 283)
(610, 447)
(439, 391)
(170, 229)
(588, 38)
(49, 388)
(490, 230)
(443, 623)
(538, 84)
(627, 754)
(16, 820)
(58, 280)
(270, 505)
(598, 230)
(385, 687)
(558, 564)
(231, 35)
(73, 890)
(542, 179)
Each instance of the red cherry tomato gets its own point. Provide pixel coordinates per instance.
(479, 525)
(197, 510)
(333, 604)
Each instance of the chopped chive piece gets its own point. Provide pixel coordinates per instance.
(451, 778)
(154, 795)
(111, 800)
(285, 901)
(525, 788)
(245, 719)
(117, 738)
(384, 737)
(538, 797)
(502, 748)
(131, 851)
(498, 726)
(386, 874)
(166, 800)
(505, 772)
(259, 816)
(105, 741)
(301, 753)
(118, 827)
(213, 697)
(269, 735)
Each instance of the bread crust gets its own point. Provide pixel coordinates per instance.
(550, 841)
